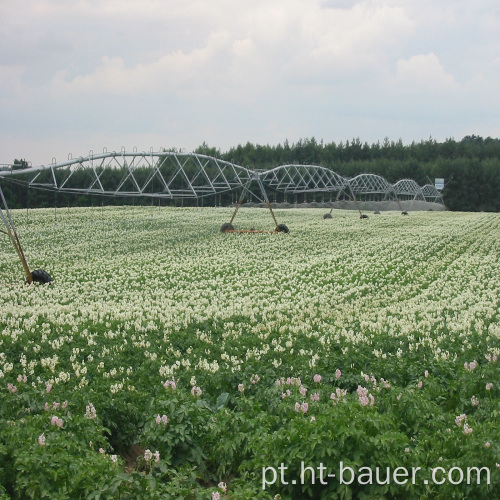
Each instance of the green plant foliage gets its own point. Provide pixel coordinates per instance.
(169, 360)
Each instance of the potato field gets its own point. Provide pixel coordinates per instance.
(170, 360)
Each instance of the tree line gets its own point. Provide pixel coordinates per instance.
(470, 167)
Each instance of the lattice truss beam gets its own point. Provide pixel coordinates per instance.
(368, 184)
(188, 175)
(162, 175)
(430, 193)
(410, 189)
(303, 179)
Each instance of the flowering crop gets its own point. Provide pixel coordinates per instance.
(200, 357)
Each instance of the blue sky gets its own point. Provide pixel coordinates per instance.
(85, 75)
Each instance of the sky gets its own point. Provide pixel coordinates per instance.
(82, 75)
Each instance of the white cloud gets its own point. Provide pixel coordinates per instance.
(424, 72)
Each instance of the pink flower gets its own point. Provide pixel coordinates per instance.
(148, 455)
(294, 381)
(338, 373)
(315, 397)
(56, 421)
(254, 379)
(241, 388)
(11, 388)
(162, 420)
(196, 391)
(471, 366)
(48, 388)
(304, 407)
(467, 429)
(41, 439)
(302, 390)
(297, 406)
(489, 386)
(170, 383)
(474, 401)
(157, 456)
(317, 378)
(420, 384)
(215, 495)
(426, 373)
(101, 451)
(364, 396)
(338, 395)
(222, 486)
(487, 445)
(460, 419)
(385, 383)
(90, 411)
(285, 394)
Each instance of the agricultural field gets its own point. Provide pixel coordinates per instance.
(169, 360)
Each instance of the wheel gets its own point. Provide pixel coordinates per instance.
(327, 216)
(41, 276)
(226, 227)
(282, 228)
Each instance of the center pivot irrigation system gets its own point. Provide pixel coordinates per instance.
(178, 175)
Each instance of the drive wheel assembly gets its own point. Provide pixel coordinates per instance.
(41, 276)
(226, 227)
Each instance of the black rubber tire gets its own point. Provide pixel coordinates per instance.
(226, 227)
(41, 276)
(327, 216)
(282, 228)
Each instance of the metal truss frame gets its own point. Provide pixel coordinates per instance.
(430, 193)
(297, 179)
(409, 189)
(153, 174)
(173, 175)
